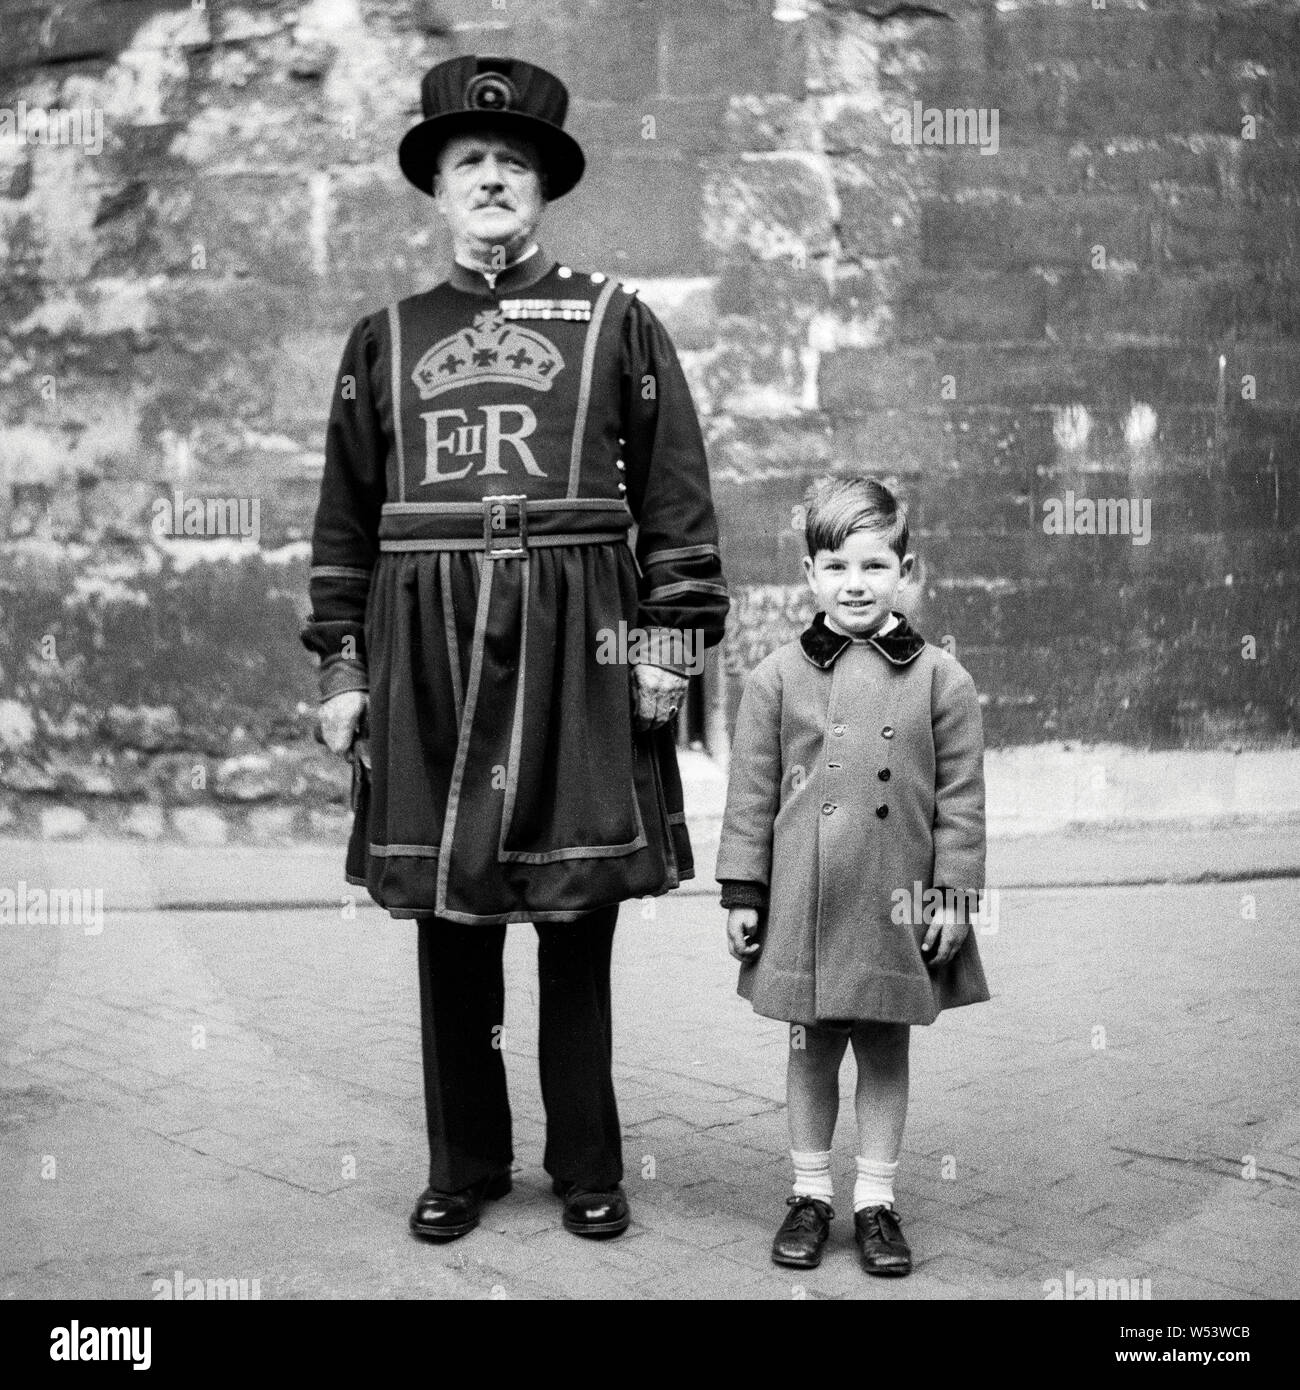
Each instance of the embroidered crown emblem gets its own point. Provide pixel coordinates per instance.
(493, 350)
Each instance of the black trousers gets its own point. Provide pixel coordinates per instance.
(462, 1011)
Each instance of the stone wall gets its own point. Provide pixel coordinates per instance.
(1105, 308)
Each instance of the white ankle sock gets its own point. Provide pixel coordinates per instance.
(875, 1183)
(812, 1175)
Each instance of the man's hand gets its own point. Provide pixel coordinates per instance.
(657, 695)
(950, 934)
(742, 924)
(339, 717)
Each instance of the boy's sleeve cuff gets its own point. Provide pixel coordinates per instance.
(965, 900)
(737, 893)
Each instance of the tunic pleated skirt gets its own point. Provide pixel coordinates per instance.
(507, 782)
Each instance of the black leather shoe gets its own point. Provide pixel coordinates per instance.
(449, 1215)
(595, 1214)
(880, 1241)
(802, 1234)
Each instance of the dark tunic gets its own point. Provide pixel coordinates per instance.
(508, 783)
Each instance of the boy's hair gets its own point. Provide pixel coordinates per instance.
(836, 507)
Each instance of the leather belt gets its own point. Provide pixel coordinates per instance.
(504, 526)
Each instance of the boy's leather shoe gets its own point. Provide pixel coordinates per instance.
(599, 1215)
(880, 1241)
(802, 1234)
(449, 1215)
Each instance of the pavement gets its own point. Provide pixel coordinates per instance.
(223, 1083)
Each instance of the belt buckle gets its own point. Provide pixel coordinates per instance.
(490, 533)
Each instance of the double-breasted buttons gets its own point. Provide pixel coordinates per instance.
(564, 272)
(882, 811)
(597, 278)
(619, 464)
(884, 774)
(827, 807)
(622, 487)
(837, 728)
(887, 731)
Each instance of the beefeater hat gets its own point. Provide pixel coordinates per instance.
(507, 95)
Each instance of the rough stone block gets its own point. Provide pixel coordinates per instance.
(991, 307)
(1201, 229)
(200, 825)
(779, 122)
(63, 823)
(999, 234)
(696, 43)
(146, 821)
(272, 824)
(256, 224)
(854, 380)
(773, 206)
(880, 204)
(635, 213)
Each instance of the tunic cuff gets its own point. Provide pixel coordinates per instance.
(736, 893)
(671, 649)
(338, 675)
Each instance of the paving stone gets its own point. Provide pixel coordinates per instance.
(1063, 1160)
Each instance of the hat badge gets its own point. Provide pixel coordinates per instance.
(490, 91)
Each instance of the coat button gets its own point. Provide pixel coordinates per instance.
(597, 278)
(622, 487)
(882, 811)
(884, 774)
(837, 729)
(827, 807)
(887, 731)
(618, 463)
(565, 272)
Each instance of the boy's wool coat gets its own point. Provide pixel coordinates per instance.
(856, 770)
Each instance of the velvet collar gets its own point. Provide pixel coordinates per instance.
(821, 645)
(514, 277)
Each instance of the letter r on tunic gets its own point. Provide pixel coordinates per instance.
(496, 437)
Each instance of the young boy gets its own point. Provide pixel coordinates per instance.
(856, 784)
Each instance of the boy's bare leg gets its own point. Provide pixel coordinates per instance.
(881, 1052)
(812, 1103)
(813, 1086)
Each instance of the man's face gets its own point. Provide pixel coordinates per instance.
(489, 190)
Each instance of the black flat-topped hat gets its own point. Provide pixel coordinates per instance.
(506, 95)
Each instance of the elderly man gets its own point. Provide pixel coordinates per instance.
(515, 507)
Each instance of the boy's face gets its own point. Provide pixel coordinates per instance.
(857, 584)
